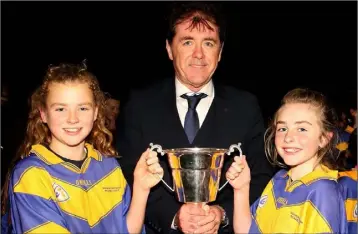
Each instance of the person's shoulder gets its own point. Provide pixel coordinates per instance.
(236, 95)
(348, 182)
(109, 159)
(30, 166)
(321, 185)
(150, 89)
(31, 161)
(282, 173)
(235, 92)
(352, 175)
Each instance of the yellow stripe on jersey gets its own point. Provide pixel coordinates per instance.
(351, 205)
(26, 183)
(89, 207)
(49, 227)
(106, 188)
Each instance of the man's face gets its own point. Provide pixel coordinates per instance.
(195, 52)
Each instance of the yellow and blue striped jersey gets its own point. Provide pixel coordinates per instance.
(312, 204)
(348, 182)
(48, 195)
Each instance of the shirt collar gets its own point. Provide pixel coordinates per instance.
(321, 172)
(50, 158)
(181, 89)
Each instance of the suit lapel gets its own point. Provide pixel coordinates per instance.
(213, 126)
(169, 116)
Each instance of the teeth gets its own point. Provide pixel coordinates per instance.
(291, 150)
(72, 129)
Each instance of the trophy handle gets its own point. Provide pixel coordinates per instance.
(157, 148)
(231, 150)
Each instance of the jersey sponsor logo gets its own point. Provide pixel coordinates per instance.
(282, 201)
(296, 217)
(262, 201)
(60, 193)
(355, 212)
(111, 189)
(84, 182)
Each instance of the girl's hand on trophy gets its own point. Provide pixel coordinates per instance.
(238, 174)
(148, 171)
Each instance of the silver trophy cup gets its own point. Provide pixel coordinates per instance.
(196, 171)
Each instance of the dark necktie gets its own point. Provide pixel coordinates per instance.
(191, 123)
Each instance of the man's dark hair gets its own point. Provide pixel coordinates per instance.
(200, 13)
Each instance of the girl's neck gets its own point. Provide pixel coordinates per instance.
(76, 153)
(299, 171)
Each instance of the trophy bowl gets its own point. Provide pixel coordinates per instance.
(196, 171)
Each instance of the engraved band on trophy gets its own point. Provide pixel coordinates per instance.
(196, 171)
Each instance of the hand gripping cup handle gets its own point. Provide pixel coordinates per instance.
(231, 150)
(158, 148)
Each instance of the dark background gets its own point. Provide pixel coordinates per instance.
(271, 47)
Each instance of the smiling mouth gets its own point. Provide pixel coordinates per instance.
(72, 130)
(291, 150)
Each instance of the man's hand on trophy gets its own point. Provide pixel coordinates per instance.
(148, 171)
(189, 216)
(211, 222)
(239, 173)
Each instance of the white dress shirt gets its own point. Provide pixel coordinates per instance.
(202, 108)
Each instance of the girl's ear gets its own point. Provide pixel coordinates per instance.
(43, 115)
(325, 139)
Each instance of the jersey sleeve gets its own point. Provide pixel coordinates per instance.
(325, 213)
(32, 207)
(348, 188)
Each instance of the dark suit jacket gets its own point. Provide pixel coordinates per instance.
(151, 116)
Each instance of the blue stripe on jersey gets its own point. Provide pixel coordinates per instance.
(30, 211)
(348, 182)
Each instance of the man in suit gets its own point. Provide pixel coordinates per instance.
(188, 110)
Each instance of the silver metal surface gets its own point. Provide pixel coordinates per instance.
(196, 171)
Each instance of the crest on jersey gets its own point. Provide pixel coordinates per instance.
(262, 201)
(355, 212)
(60, 193)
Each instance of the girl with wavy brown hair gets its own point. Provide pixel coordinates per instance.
(66, 178)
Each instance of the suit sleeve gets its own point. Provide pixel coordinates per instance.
(253, 146)
(130, 145)
(31, 204)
